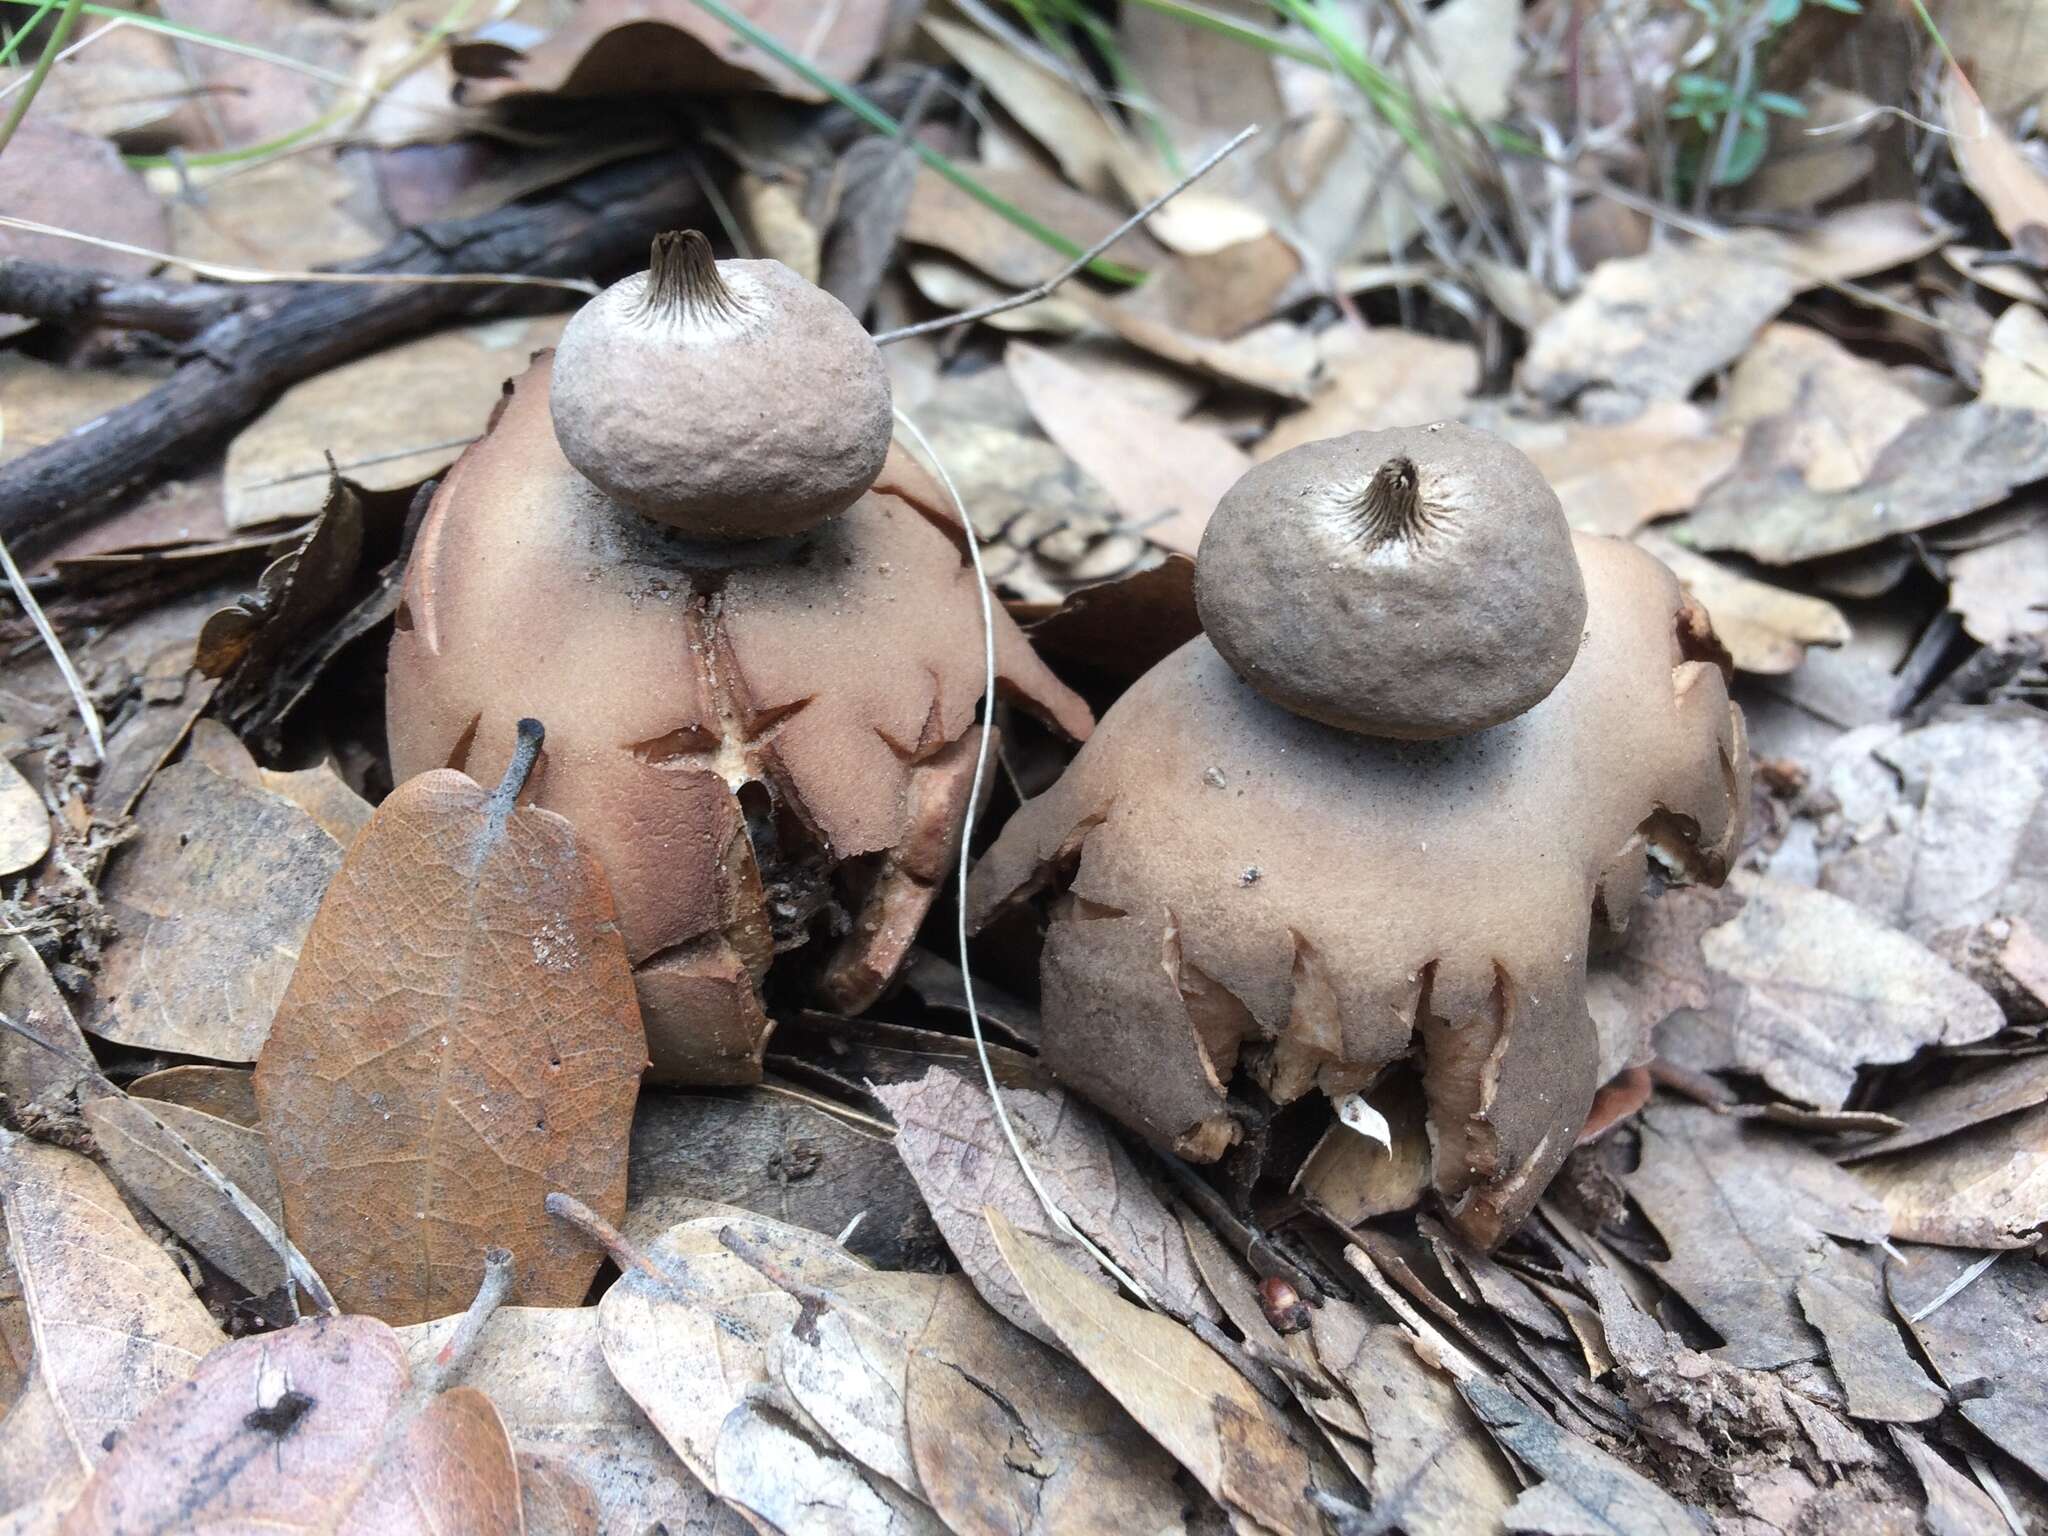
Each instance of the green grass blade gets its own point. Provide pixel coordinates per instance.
(13, 44)
(51, 49)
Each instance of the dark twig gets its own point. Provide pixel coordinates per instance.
(288, 332)
(68, 296)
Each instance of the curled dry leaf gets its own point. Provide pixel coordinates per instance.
(1583, 1489)
(1969, 1099)
(948, 1135)
(1986, 1336)
(1656, 325)
(1766, 629)
(139, 1142)
(979, 1392)
(114, 1323)
(305, 1429)
(1175, 1386)
(1984, 1188)
(1746, 1212)
(2011, 185)
(544, 1367)
(214, 898)
(637, 47)
(1942, 465)
(459, 1039)
(1815, 988)
(1434, 1472)
(225, 1093)
(1166, 492)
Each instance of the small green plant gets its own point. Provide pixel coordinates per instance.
(1728, 114)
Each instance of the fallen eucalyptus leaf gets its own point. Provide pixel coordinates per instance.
(1983, 1188)
(1955, 1505)
(214, 898)
(1987, 1336)
(1998, 588)
(1816, 988)
(224, 1093)
(1175, 1386)
(1765, 628)
(2011, 186)
(1746, 1211)
(1972, 1098)
(460, 1038)
(948, 1136)
(1812, 405)
(113, 1321)
(1844, 1299)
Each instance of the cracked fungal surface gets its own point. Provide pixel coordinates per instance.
(1248, 892)
(766, 744)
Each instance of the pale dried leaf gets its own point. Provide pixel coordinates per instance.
(310, 210)
(553, 1500)
(1955, 1505)
(2011, 186)
(1180, 1390)
(1434, 1472)
(1166, 492)
(1988, 1336)
(1844, 1298)
(1984, 1188)
(48, 1075)
(1086, 143)
(459, 1040)
(1766, 628)
(2016, 362)
(1614, 477)
(113, 1320)
(24, 821)
(1356, 1179)
(1746, 1212)
(139, 1142)
(1829, 411)
(214, 898)
(277, 465)
(948, 1135)
(768, 1466)
(224, 1093)
(1816, 988)
(1999, 588)
(1944, 464)
(1377, 378)
(1972, 1098)
(545, 1369)
(1012, 1438)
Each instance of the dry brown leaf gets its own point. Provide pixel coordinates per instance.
(1434, 1472)
(1613, 477)
(129, 81)
(771, 1151)
(1086, 141)
(1984, 1188)
(1765, 628)
(1354, 1178)
(298, 1429)
(24, 821)
(1183, 1394)
(46, 1078)
(1955, 1505)
(948, 1135)
(319, 791)
(2016, 361)
(214, 898)
(74, 181)
(40, 402)
(1223, 292)
(248, 100)
(1376, 378)
(1999, 588)
(689, 1348)
(952, 286)
(310, 210)
(460, 1038)
(942, 216)
(980, 1390)
(1166, 492)
(1829, 411)
(1583, 1489)
(1944, 464)
(139, 1142)
(553, 1500)
(1969, 1099)
(1844, 1299)
(222, 1093)
(1816, 988)
(1987, 1338)
(277, 465)
(769, 1466)
(1746, 1212)
(113, 1321)
(1656, 325)
(638, 47)
(544, 1368)
(2010, 184)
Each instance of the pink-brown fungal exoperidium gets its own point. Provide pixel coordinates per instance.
(1247, 893)
(767, 742)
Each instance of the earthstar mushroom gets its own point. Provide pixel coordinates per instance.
(767, 741)
(1418, 900)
